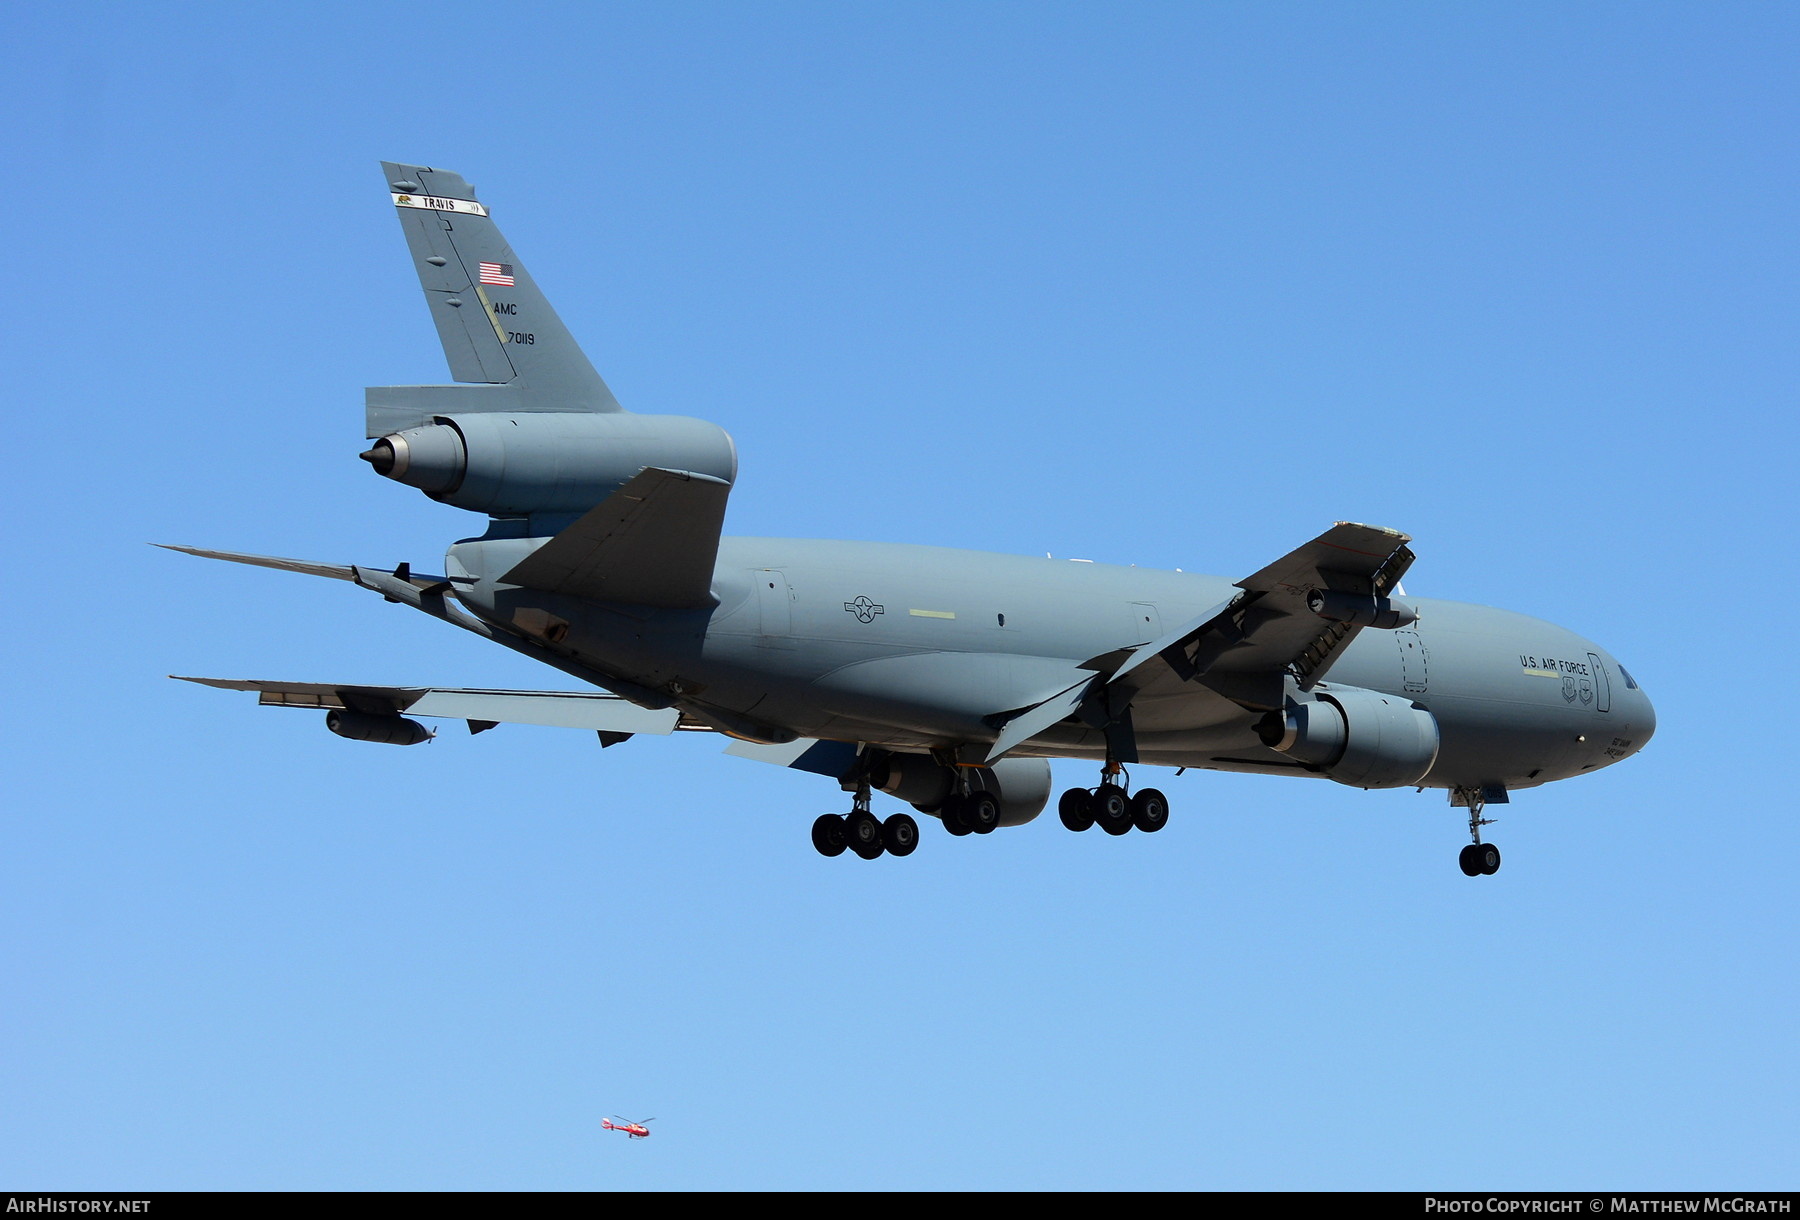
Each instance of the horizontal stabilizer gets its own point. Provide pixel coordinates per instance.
(398, 408)
(651, 543)
(557, 709)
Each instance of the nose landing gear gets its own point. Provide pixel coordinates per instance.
(1478, 859)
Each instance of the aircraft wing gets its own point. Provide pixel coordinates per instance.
(332, 571)
(1240, 652)
(1244, 648)
(602, 713)
(653, 542)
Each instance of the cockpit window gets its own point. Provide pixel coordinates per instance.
(1630, 681)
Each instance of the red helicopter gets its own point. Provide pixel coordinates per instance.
(636, 1131)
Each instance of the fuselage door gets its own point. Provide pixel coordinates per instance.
(1413, 660)
(1602, 683)
(774, 605)
(1146, 623)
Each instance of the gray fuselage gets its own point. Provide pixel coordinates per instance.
(915, 648)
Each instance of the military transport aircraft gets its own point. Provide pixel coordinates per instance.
(946, 678)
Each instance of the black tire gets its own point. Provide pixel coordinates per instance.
(983, 812)
(951, 813)
(1468, 862)
(1075, 809)
(1112, 809)
(1149, 811)
(1489, 859)
(900, 834)
(864, 833)
(829, 834)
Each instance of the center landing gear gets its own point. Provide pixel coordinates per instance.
(1111, 807)
(1478, 859)
(864, 833)
(971, 813)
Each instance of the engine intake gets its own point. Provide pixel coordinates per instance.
(1358, 737)
(516, 464)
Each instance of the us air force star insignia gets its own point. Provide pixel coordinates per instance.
(864, 609)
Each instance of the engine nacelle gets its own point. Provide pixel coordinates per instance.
(1387, 613)
(1357, 737)
(389, 730)
(1021, 784)
(516, 464)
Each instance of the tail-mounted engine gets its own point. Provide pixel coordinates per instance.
(1357, 737)
(518, 464)
(1022, 784)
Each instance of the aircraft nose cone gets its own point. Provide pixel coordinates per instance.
(1645, 716)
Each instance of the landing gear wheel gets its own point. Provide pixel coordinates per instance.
(864, 834)
(1074, 809)
(951, 813)
(829, 835)
(1112, 809)
(1478, 858)
(1149, 811)
(982, 811)
(900, 834)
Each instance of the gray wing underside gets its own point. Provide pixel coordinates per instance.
(651, 543)
(557, 709)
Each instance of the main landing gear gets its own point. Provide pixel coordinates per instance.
(1109, 805)
(864, 833)
(1478, 859)
(970, 813)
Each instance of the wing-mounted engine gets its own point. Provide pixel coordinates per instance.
(527, 463)
(1021, 784)
(393, 730)
(1358, 737)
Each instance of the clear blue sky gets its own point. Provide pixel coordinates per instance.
(1173, 285)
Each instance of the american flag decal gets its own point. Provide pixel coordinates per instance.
(497, 273)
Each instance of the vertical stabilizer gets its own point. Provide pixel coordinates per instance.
(496, 327)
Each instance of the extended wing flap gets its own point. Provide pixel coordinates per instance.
(651, 543)
(1034, 720)
(833, 758)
